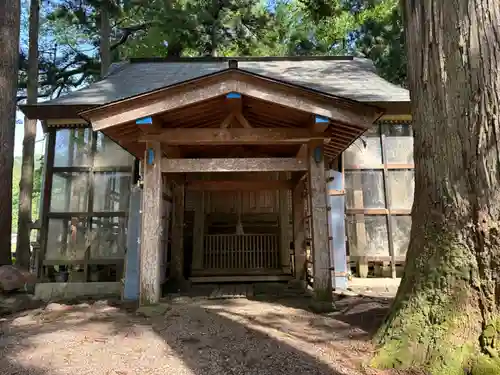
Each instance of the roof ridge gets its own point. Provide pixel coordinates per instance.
(154, 59)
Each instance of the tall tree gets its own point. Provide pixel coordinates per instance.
(365, 28)
(445, 317)
(9, 45)
(105, 34)
(26, 183)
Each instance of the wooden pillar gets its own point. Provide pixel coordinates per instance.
(360, 239)
(151, 228)
(336, 221)
(177, 265)
(198, 231)
(284, 226)
(299, 235)
(319, 222)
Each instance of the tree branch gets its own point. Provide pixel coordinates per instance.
(127, 32)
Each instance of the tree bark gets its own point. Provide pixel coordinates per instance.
(105, 44)
(445, 315)
(9, 45)
(23, 251)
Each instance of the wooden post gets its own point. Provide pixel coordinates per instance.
(387, 194)
(359, 224)
(178, 233)
(284, 227)
(336, 219)
(151, 228)
(198, 231)
(299, 235)
(319, 223)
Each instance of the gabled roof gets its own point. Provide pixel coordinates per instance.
(347, 77)
(191, 92)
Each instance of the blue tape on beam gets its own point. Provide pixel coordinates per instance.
(318, 154)
(233, 95)
(150, 156)
(321, 120)
(144, 121)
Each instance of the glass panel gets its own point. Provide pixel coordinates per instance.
(364, 189)
(402, 186)
(366, 151)
(73, 148)
(111, 191)
(108, 237)
(367, 235)
(401, 226)
(399, 143)
(70, 191)
(110, 154)
(67, 239)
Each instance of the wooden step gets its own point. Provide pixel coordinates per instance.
(239, 279)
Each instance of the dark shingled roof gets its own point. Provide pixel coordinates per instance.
(351, 78)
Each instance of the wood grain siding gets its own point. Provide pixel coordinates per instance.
(299, 235)
(319, 222)
(150, 255)
(198, 229)
(232, 185)
(284, 222)
(233, 165)
(177, 263)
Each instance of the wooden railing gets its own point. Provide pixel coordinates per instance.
(245, 251)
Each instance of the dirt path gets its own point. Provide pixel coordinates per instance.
(191, 336)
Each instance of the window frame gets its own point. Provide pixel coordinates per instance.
(89, 214)
(387, 211)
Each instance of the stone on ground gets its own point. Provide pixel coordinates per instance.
(13, 278)
(14, 303)
(149, 311)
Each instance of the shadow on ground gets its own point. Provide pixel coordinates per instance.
(198, 337)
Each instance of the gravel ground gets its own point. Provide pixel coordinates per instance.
(192, 336)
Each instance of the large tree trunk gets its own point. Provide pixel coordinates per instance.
(26, 184)
(105, 44)
(9, 45)
(446, 310)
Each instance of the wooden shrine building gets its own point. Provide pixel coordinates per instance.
(229, 158)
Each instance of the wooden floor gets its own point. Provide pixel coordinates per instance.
(236, 279)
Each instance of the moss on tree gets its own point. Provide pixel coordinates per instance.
(436, 322)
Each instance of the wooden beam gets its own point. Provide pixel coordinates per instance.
(227, 121)
(217, 136)
(233, 165)
(238, 185)
(185, 94)
(242, 120)
(319, 124)
(150, 254)
(149, 124)
(302, 153)
(319, 222)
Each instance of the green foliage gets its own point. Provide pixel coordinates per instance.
(367, 28)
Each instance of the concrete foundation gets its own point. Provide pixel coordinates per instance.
(53, 291)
